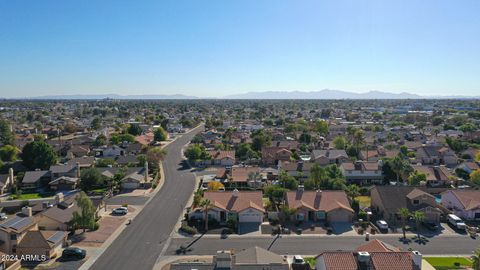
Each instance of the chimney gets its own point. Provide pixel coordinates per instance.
(78, 169)
(27, 211)
(59, 198)
(319, 192)
(146, 172)
(301, 188)
(235, 193)
(10, 173)
(417, 258)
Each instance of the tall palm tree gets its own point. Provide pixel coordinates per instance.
(419, 217)
(358, 139)
(206, 205)
(404, 214)
(254, 176)
(476, 259)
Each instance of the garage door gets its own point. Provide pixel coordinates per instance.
(250, 216)
(129, 185)
(339, 216)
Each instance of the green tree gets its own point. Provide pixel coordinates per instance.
(260, 139)
(155, 155)
(8, 153)
(196, 152)
(321, 127)
(475, 177)
(134, 129)
(400, 167)
(85, 218)
(340, 142)
(91, 178)
(476, 259)
(352, 191)
(6, 133)
(119, 138)
(160, 134)
(404, 215)
(38, 155)
(96, 123)
(275, 192)
(245, 152)
(416, 177)
(287, 181)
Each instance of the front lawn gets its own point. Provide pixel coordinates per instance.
(30, 196)
(364, 201)
(445, 263)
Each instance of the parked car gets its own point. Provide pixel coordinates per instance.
(382, 225)
(456, 222)
(297, 259)
(3, 216)
(74, 253)
(120, 211)
(432, 226)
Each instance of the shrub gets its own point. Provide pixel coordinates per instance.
(188, 229)
(125, 205)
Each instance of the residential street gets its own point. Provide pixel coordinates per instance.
(141, 243)
(311, 245)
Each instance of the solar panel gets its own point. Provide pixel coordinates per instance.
(23, 222)
(56, 237)
(10, 222)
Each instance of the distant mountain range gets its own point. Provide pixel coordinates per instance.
(115, 96)
(321, 94)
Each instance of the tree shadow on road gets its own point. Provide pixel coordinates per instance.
(184, 249)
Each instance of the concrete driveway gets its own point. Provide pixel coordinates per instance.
(342, 228)
(250, 228)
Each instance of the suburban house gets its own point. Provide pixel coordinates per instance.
(253, 258)
(437, 155)
(48, 243)
(436, 175)
(464, 203)
(296, 169)
(245, 176)
(134, 177)
(272, 155)
(71, 170)
(242, 206)
(377, 154)
(469, 167)
(64, 183)
(6, 181)
(325, 157)
(221, 158)
(362, 172)
(386, 200)
(376, 260)
(35, 179)
(109, 151)
(83, 162)
(13, 231)
(320, 205)
(58, 217)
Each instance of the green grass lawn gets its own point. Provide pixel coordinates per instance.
(364, 201)
(444, 263)
(29, 196)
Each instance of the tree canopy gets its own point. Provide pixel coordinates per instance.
(38, 155)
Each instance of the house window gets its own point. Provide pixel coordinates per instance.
(320, 215)
(300, 217)
(13, 237)
(477, 215)
(416, 202)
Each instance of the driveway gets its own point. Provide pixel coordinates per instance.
(342, 228)
(250, 228)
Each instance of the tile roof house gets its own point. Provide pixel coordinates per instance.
(253, 258)
(326, 205)
(436, 175)
(242, 176)
(325, 157)
(34, 179)
(272, 155)
(13, 231)
(360, 260)
(362, 172)
(243, 206)
(464, 203)
(42, 243)
(386, 200)
(437, 155)
(221, 158)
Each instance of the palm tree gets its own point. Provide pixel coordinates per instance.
(254, 176)
(419, 217)
(358, 139)
(206, 204)
(404, 214)
(476, 259)
(400, 166)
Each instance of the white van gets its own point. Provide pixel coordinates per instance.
(456, 222)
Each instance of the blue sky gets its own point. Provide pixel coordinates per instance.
(216, 48)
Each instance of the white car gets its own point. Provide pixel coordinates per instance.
(120, 211)
(382, 224)
(3, 216)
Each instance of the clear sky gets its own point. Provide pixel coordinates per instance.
(216, 48)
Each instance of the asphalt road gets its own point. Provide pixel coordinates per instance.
(452, 245)
(130, 200)
(141, 243)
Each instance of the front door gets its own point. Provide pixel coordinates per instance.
(223, 216)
